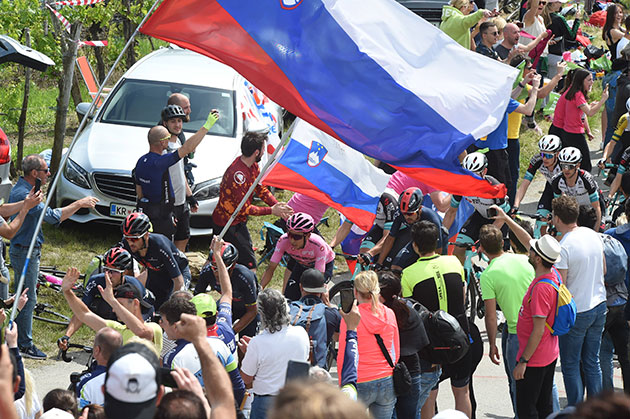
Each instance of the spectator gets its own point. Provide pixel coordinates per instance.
(538, 349)
(375, 386)
(173, 118)
(183, 102)
(153, 182)
(132, 384)
(34, 167)
(489, 37)
(29, 405)
(8, 384)
(581, 265)
(267, 354)
(313, 400)
(457, 20)
(166, 266)
(60, 399)
(181, 404)
(413, 338)
(88, 390)
(117, 262)
(503, 283)
(622, 233)
(243, 288)
(236, 181)
(534, 24)
(95, 411)
(127, 304)
(11, 337)
(562, 33)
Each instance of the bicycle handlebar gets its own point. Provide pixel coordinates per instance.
(536, 216)
(64, 355)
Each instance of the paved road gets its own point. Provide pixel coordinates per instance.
(493, 400)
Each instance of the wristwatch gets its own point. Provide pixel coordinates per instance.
(522, 360)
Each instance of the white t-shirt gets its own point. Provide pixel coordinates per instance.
(20, 406)
(582, 254)
(178, 178)
(621, 45)
(268, 354)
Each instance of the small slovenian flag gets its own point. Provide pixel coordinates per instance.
(315, 164)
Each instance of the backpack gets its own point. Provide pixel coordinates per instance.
(616, 260)
(566, 310)
(448, 342)
(312, 319)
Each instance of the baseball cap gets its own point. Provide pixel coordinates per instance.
(313, 281)
(547, 248)
(128, 290)
(205, 305)
(56, 413)
(132, 383)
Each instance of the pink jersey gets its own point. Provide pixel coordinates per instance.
(308, 205)
(400, 181)
(316, 253)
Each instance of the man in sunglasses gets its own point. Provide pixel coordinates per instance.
(573, 181)
(547, 162)
(489, 37)
(117, 262)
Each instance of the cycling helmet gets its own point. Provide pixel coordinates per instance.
(173, 111)
(570, 155)
(410, 200)
(117, 258)
(229, 254)
(628, 105)
(205, 305)
(550, 144)
(475, 162)
(136, 225)
(301, 223)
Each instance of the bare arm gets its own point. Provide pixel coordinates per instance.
(449, 217)
(341, 234)
(7, 408)
(491, 328)
(441, 200)
(266, 278)
(520, 233)
(530, 348)
(598, 211)
(178, 283)
(222, 272)
(592, 109)
(522, 189)
(87, 202)
(8, 230)
(548, 88)
(246, 319)
(529, 106)
(77, 306)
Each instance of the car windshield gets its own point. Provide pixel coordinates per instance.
(139, 103)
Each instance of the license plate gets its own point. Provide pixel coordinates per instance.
(120, 210)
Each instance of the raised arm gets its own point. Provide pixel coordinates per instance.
(222, 272)
(520, 233)
(8, 230)
(92, 320)
(191, 144)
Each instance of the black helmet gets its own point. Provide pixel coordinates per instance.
(229, 254)
(135, 225)
(173, 111)
(117, 258)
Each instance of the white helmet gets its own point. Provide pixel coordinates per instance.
(628, 105)
(475, 162)
(570, 155)
(550, 144)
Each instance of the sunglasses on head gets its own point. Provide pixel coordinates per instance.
(296, 236)
(547, 155)
(568, 166)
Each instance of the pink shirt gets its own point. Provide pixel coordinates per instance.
(542, 303)
(573, 114)
(558, 114)
(308, 205)
(316, 253)
(400, 181)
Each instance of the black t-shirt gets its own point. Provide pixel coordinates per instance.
(502, 51)
(413, 338)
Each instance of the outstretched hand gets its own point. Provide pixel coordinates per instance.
(108, 292)
(70, 278)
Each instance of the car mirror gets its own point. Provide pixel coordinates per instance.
(83, 108)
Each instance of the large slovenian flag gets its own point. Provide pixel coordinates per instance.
(315, 164)
(367, 72)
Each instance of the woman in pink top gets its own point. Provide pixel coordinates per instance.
(576, 107)
(305, 251)
(375, 386)
(558, 113)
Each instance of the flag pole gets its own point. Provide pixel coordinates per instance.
(285, 136)
(65, 157)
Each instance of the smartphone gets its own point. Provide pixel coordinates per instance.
(166, 378)
(38, 184)
(297, 370)
(346, 296)
(492, 212)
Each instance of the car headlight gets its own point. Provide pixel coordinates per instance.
(207, 190)
(76, 174)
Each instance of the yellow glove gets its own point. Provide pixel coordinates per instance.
(213, 116)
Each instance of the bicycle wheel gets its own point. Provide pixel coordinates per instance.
(43, 313)
(333, 293)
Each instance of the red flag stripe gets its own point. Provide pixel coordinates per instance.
(62, 19)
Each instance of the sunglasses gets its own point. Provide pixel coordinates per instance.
(542, 3)
(113, 270)
(409, 214)
(547, 155)
(296, 237)
(134, 238)
(567, 166)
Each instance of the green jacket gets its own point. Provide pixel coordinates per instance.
(456, 25)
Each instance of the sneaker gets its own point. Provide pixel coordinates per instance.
(33, 353)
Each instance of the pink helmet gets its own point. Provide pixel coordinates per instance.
(301, 222)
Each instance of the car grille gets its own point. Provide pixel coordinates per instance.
(116, 186)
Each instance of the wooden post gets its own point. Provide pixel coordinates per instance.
(27, 90)
(68, 56)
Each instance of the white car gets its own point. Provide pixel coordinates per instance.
(101, 162)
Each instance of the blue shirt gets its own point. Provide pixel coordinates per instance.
(152, 172)
(25, 234)
(497, 139)
(622, 233)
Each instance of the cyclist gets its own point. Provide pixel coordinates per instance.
(118, 263)
(469, 233)
(624, 164)
(573, 181)
(306, 250)
(547, 162)
(386, 211)
(410, 210)
(166, 266)
(620, 139)
(244, 287)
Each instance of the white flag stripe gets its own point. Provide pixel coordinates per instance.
(62, 19)
(77, 2)
(93, 43)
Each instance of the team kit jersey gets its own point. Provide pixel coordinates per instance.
(584, 190)
(92, 296)
(624, 162)
(316, 253)
(386, 211)
(222, 329)
(535, 164)
(90, 387)
(153, 175)
(482, 205)
(244, 284)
